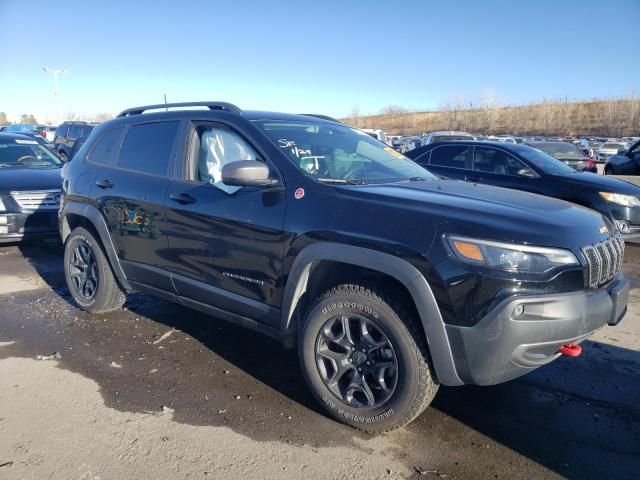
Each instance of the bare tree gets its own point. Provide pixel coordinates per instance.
(547, 111)
(100, 117)
(393, 110)
(449, 110)
(354, 114)
(489, 106)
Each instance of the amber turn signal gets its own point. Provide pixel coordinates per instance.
(468, 250)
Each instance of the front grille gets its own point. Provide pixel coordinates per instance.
(604, 260)
(38, 200)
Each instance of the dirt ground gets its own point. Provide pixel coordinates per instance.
(157, 391)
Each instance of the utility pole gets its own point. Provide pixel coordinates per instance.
(56, 94)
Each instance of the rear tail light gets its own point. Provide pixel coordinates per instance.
(590, 163)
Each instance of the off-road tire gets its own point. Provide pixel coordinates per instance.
(109, 295)
(416, 383)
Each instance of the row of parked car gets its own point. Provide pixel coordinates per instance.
(389, 277)
(581, 154)
(60, 140)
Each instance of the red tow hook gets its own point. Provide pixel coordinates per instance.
(571, 350)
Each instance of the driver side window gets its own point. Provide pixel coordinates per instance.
(498, 162)
(215, 147)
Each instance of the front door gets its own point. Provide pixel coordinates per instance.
(494, 166)
(226, 244)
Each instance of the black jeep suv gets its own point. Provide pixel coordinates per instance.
(389, 280)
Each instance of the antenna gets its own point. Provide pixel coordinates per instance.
(166, 108)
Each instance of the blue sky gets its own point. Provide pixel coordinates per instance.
(321, 56)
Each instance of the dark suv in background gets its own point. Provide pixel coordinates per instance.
(388, 280)
(66, 135)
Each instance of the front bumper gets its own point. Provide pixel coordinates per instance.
(503, 346)
(15, 227)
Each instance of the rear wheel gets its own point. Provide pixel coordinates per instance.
(365, 359)
(63, 156)
(608, 170)
(88, 274)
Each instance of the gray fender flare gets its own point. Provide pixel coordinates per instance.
(93, 215)
(397, 268)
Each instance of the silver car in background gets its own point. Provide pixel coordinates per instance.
(446, 136)
(609, 149)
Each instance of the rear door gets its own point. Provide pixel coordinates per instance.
(450, 161)
(494, 166)
(130, 193)
(226, 244)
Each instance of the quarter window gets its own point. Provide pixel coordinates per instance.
(454, 156)
(146, 148)
(106, 148)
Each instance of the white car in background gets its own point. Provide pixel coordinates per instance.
(446, 136)
(501, 139)
(376, 133)
(609, 149)
(50, 133)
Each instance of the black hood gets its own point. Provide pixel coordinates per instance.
(17, 179)
(480, 211)
(601, 183)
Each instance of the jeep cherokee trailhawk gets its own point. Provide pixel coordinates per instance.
(389, 280)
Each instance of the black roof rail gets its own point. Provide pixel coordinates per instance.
(322, 117)
(228, 107)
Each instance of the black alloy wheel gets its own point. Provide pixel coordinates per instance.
(83, 271)
(356, 361)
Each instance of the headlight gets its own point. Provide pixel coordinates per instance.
(626, 200)
(510, 257)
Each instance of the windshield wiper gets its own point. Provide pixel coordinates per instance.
(342, 181)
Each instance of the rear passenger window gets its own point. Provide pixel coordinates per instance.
(74, 130)
(62, 131)
(146, 148)
(454, 156)
(106, 147)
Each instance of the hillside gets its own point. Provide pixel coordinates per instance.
(610, 118)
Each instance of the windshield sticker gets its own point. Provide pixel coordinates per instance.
(26, 142)
(396, 154)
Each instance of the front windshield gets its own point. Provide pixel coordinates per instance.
(340, 154)
(561, 151)
(26, 153)
(542, 161)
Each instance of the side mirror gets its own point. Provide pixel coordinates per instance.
(247, 173)
(525, 172)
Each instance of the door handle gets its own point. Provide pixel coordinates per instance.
(104, 183)
(182, 198)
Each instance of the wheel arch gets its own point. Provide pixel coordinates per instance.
(75, 214)
(405, 274)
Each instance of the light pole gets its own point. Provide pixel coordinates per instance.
(55, 74)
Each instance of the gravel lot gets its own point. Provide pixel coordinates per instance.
(160, 391)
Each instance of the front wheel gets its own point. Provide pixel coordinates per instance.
(608, 170)
(365, 359)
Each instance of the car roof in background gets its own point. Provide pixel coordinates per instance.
(12, 137)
